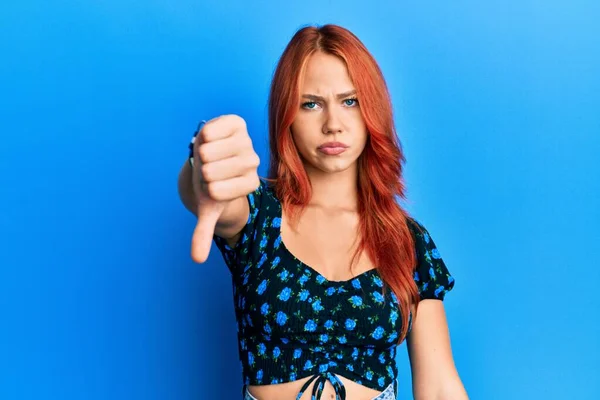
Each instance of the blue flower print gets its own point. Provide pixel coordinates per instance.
(262, 287)
(310, 326)
(317, 306)
(438, 291)
(392, 338)
(304, 295)
(262, 260)
(264, 309)
(426, 237)
(390, 371)
(350, 324)
(281, 318)
(285, 294)
(378, 333)
(267, 328)
(378, 297)
(356, 301)
(306, 324)
(262, 349)
(276, 263)
(283, 275)
(378, 281)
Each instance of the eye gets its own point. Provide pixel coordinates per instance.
(351, 102)
(309, 105)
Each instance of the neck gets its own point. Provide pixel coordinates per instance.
(334, 190)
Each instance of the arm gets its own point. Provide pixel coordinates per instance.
(235, 213)
(215, 189)
(434, 375)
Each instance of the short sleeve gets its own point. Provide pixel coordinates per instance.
(431, 275)
(239, 255)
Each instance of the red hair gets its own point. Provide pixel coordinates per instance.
(384, 231)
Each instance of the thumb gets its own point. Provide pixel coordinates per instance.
(208, 215)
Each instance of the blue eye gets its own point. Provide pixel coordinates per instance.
(353, 102)
(309, 105)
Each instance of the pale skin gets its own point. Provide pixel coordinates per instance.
(325, 237)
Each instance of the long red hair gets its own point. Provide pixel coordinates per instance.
(384, 232)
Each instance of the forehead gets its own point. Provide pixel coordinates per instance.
(324, 73)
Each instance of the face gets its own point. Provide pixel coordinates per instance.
(329, 131)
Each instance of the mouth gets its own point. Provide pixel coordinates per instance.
(332, 148)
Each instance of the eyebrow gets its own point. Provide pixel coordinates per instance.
(319, 98)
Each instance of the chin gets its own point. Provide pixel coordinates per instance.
(334, 167)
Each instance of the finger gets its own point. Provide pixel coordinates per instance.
(223, 148)
(221, 127)
(208, 215)
(233, 188)
(229, 168)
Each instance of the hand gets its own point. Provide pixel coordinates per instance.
(225, 168)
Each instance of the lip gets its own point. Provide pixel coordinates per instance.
(333, 144)
(332, 148)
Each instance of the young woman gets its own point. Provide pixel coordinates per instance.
(329, 272)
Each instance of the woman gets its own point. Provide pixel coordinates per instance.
(327, 268)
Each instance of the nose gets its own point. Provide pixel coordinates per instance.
(333, 122)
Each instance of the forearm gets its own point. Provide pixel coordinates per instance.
(234, 215)
(450, 390)
(186, 189)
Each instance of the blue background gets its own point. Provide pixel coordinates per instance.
(497, 106)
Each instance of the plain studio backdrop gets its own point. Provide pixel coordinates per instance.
(497, 105)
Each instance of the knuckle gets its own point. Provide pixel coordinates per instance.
(206, 172)
(212, 189)
(238, 121)
(205, 133)
(203, 153)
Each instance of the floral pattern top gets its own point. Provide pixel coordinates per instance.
(293, 323)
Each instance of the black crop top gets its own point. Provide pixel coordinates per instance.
(293, 323)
